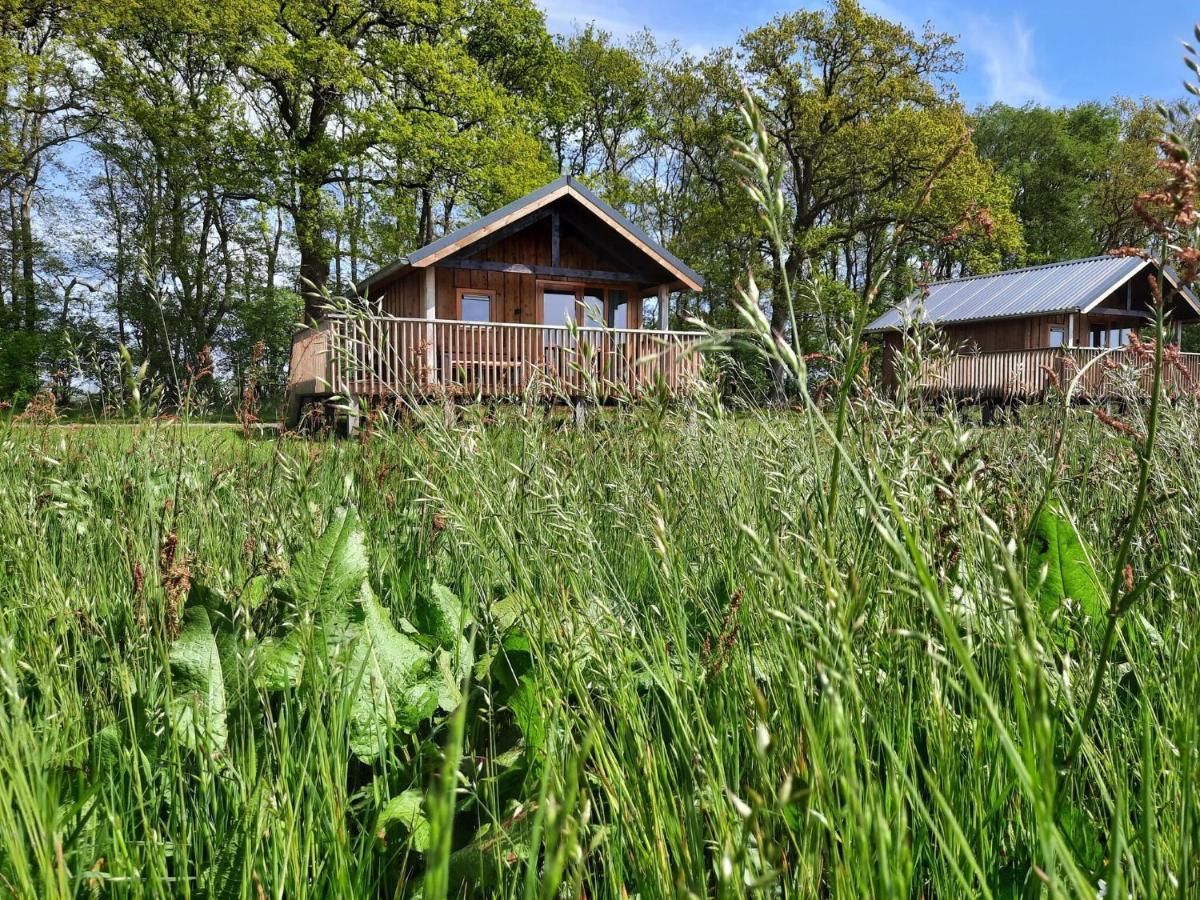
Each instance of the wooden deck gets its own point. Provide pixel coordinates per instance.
(1027, 375)
(383, 356)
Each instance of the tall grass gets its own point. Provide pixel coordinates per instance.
(737, 690)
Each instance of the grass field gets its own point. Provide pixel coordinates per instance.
(684, 664)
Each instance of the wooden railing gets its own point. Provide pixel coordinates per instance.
(1028, 374)
(387, 356)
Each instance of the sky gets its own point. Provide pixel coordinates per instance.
(1053, 52)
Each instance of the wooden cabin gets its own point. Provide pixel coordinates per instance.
(548, 294)
(1012, 334)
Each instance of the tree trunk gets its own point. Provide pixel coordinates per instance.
(28, 285)
(314, 255)
(426, 216)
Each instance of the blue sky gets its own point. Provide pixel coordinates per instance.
(1054, 51)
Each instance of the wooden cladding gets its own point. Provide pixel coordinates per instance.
(408, 357)
(1028, 375)
(602, 275)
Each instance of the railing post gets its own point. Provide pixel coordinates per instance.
(429, 308)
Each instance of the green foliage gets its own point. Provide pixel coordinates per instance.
(197, 712)
(1061, 569)
(387, 680)
(1076, 173)
(660, 623)
(404, 817)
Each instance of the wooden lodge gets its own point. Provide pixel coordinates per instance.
(545, 295)
(1013, 335)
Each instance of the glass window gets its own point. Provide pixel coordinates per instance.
(593, 309)
(618, 309)
(476, 308)
(558, 307)
(1056, 336)
(1114, 337)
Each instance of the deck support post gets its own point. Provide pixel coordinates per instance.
(294, 405)
(1072, 319)
(664, 312)
(429, 311)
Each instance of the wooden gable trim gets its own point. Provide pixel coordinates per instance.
(1089, 307)
(519, 214)
(512, 218)
(690, 283)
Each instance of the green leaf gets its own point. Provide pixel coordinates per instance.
(279, 661)
(106, 750)
(506, 612)
(527, 713)
(494, 852)
(197, 710)
(390, 678)
(255, 593)
(331, 568)
(440, 615)
(405, 813)
(1058, 548)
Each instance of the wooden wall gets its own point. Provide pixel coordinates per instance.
(1003, 334)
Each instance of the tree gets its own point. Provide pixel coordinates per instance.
(850, 101)
(42, 90)
(176, 180)
(1076, 172)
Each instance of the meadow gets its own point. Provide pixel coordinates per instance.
(672, 651)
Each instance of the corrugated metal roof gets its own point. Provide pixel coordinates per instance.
(1039, 290)
(481, 225)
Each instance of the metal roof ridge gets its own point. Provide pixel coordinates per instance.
(1023, 269)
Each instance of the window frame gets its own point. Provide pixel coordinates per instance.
(459, 293)
(580, 290)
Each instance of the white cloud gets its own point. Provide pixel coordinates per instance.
(1009, 59)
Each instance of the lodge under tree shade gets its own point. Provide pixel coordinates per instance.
(492, 307)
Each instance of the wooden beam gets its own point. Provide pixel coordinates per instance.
(545, 271)
(554, 238)
(1110, 312)
(664, 308)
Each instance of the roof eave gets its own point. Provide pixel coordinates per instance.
(874, 328)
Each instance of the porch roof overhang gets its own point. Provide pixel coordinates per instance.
(679, 275)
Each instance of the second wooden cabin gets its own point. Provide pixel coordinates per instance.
(1011, 335)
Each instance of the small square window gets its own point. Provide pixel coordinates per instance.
(476, 308)
(1057, 336)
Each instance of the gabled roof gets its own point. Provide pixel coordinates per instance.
(460, 239)
(1073, 286)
